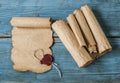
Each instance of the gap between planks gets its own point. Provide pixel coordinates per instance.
(55, 36)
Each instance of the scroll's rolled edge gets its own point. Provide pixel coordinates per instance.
(47, 23)
(109, 48)
(75, 11)
(104, 52)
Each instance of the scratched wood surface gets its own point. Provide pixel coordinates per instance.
(104, 70)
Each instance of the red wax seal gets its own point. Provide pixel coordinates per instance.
(47, 60)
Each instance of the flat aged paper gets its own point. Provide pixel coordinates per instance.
(31, 39)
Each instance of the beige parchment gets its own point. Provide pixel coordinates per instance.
(31, 36)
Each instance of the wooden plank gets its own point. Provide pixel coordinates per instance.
(107, 12)
(105, 69)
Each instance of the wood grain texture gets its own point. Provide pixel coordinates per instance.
(106, 11)
(104, 70)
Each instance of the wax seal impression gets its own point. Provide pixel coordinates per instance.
(47, 59)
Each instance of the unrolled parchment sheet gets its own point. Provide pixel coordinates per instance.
(31, 39)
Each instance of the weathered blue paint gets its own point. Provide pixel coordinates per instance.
(104, 70)
(107, 12)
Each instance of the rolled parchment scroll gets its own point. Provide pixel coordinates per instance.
(31, 22)
(90, 41)
(80, 55)
(103, 44)
(76, 29)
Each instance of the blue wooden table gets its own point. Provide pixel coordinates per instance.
(104, 70)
